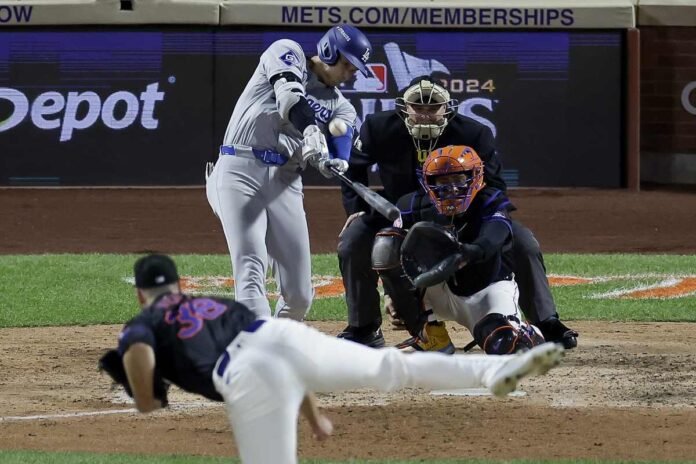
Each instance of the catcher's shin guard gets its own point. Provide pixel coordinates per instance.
(497, 334)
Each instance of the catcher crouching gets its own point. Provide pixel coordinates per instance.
(447, 250)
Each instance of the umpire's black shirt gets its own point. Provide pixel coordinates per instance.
(387, 142)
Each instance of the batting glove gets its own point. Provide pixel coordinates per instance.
(314, 147)
(325, 166)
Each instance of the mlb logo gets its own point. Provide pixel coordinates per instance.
(289, 58)
(376, 82)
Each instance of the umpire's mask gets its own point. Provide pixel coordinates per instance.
(426, 108)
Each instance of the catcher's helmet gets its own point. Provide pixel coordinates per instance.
(452, 176)
(426, 108)
(348, 41)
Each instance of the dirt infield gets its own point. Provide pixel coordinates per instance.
(627, 392)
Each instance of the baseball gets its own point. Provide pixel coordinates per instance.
(337, 127)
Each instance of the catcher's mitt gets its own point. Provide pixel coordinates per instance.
(430, 254)
(112, 363)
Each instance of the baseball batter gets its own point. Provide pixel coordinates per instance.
(279, 124)
(265, 370)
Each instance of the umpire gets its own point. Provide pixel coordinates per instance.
(399, 141)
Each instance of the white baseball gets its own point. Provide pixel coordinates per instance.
(337, 127)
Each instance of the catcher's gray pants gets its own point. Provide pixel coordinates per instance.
(261, 210)
(269, 371)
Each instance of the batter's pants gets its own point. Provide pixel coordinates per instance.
(262, 213)
(265, 375)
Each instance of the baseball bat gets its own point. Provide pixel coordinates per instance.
(374, 199)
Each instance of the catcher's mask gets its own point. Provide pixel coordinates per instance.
(426, 108)
(452, 176)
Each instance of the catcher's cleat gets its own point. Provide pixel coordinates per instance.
(555, 331)
(438, 339)
(367, 336)
(537, 361)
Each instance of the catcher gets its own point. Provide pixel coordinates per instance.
(452, 255)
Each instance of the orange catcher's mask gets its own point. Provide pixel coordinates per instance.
(452, 176)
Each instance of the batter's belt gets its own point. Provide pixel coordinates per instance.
(265, 156)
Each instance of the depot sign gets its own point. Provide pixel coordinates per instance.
(74, 111)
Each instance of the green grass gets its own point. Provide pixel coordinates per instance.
(44, 290)
(37, 457)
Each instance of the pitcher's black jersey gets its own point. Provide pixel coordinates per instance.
(188, 335)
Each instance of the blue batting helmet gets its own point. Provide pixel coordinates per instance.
(348, 41)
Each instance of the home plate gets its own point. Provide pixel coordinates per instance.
(471, 392)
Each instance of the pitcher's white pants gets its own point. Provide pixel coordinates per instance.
(261, 210)
(272, 369)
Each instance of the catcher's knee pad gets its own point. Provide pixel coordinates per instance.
(386, 250)
(496, 334)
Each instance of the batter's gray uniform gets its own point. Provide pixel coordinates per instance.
(258, 199)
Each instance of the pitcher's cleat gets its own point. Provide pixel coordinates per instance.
(537, 361)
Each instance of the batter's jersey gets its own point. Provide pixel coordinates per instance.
(485, 223)
(188, 335)
(387, 142)
(256, 122)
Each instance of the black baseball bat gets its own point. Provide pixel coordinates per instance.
(374, 199)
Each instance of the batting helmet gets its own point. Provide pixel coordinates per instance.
(348, 41)
(452, 176)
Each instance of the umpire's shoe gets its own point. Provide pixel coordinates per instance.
(368, 336)
(554, 330)
(536, 361)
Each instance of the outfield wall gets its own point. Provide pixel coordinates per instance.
(139, 93)
(668, 91)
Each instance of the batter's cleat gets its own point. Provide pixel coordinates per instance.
(537, 361)
(368, 336)
(438, 339)
(555, 331)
